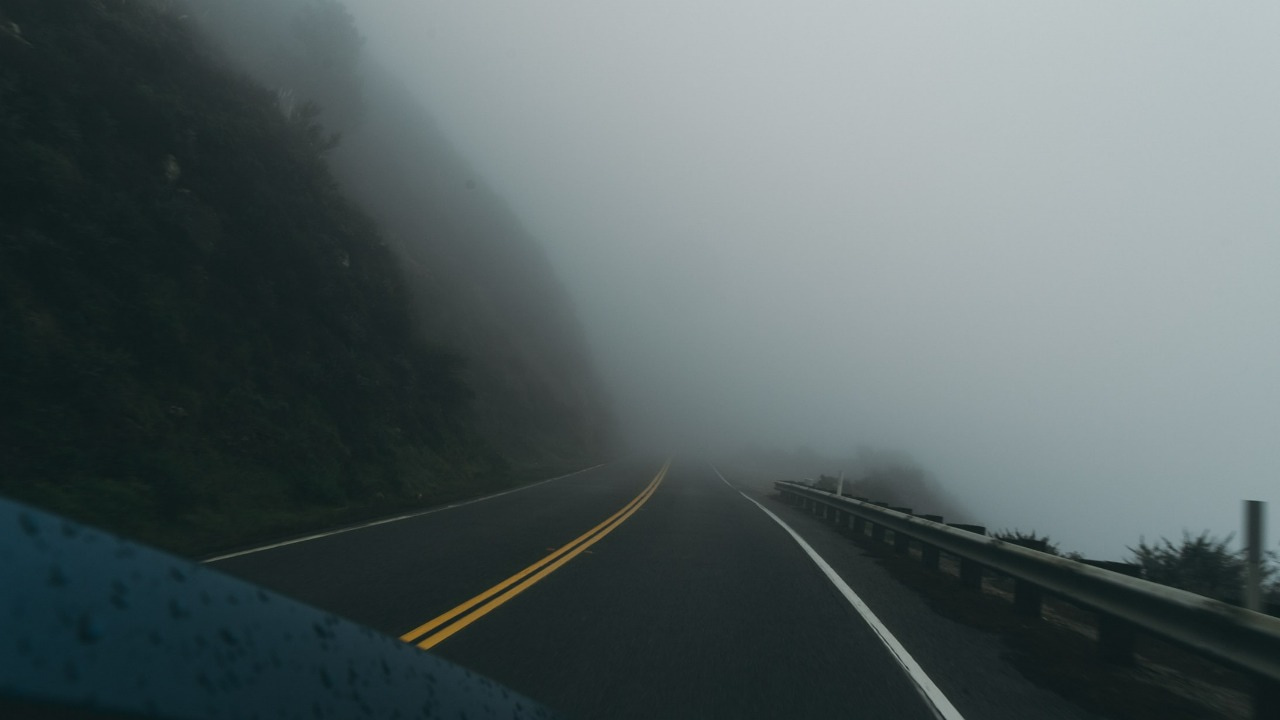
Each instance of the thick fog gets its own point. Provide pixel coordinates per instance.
(1036, 246)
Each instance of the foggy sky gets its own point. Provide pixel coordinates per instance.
(1037, 246)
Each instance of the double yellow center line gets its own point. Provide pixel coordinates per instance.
(432, 632)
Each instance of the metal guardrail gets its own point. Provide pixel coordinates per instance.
(1246, 640)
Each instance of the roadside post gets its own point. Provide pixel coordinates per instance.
(1253, 539)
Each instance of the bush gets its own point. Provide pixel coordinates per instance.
(1028, 540)
(827, 482)
(1202, 564)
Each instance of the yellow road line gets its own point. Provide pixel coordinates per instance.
(432, 624)
(542, 568)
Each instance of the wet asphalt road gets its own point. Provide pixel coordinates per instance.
(696, 604)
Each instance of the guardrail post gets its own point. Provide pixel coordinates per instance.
(1253, 513)
(1115, 636)
(1027, 598)
(1115, 640)
(901, 543)
(928, 553)
(877, 533)
(970, 571)
(859, 526)
(877, 530)
(929, 556)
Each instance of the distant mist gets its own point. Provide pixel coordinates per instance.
(1034, 247)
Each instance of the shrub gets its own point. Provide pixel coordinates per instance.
(1029, 540)
(827, 482)
(1201, 564)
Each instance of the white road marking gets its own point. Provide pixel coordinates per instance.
(937, 701)
(398, 518)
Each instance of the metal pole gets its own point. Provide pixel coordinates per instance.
(1253, 532)
(840, 485)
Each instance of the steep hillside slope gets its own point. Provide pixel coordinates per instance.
(482, 283)
(201, 340)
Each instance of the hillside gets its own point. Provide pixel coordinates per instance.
(202, 340)
(481, 284)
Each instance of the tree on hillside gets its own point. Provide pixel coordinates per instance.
(329, 69)
(201, 339)
(329, 36)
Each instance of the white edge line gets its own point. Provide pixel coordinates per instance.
(934, 696)
(398, 518)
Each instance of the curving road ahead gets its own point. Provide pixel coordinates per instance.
(645, 589)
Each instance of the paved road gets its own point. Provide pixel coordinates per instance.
(692, 601)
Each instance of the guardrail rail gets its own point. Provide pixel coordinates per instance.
(1242, 639)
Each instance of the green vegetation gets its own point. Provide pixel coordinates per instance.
(1028, 540)
(1202, 564)
(480, 283)
(201, 341)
